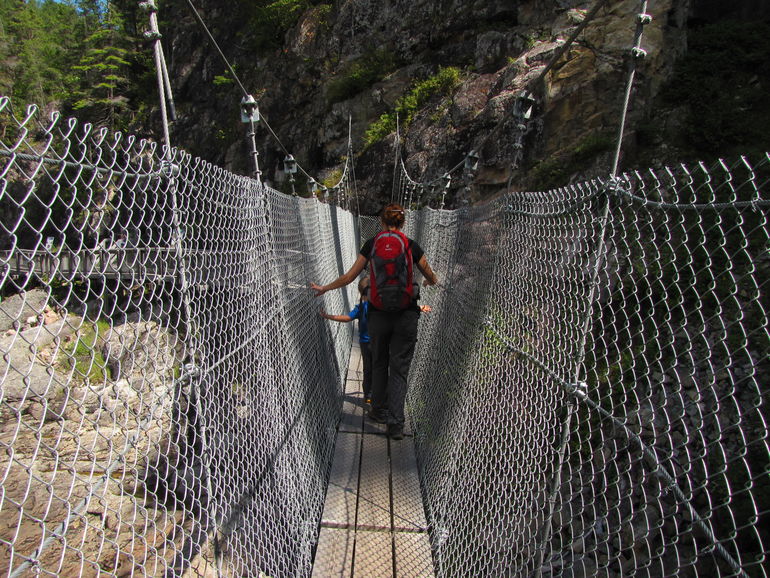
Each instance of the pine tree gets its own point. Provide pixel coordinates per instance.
(103, 68)
(36, 45)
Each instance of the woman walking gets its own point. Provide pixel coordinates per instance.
(393, 312)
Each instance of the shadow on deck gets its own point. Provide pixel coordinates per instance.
(373, 521)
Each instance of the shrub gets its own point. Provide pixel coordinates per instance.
(360, 74)
(443, 82)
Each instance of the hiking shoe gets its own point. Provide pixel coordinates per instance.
(377, 416)
(396, 432)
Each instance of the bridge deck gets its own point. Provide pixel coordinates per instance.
(373, 522)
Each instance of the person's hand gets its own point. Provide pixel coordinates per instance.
(323, 314)
(427, 282)
(319, 290)
(426, 308)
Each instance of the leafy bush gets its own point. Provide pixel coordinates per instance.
(360, 74)
(270, 20)
(443, 82)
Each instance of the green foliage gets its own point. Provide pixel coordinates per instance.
(84, 355)
(221, 80)
(36, 49)
(723, 79)
(82, 54)
(441, 83)
(103, 70)
(332, 179)
(270, 20)
(360, 74)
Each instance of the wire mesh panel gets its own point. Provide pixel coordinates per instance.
(167, 400)
(589, 391)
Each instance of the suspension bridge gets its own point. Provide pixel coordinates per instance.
(588, 396)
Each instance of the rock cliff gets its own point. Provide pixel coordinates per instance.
(329, 62)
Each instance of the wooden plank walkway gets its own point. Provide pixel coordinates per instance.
(373, 523)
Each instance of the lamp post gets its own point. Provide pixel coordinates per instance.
(289, 168)
(250, 116)
(522, 113)
(312, 188)
(447, 178)
(472, 162)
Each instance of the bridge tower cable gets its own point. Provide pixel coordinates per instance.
(577, 389)
(397, 156)
(191, 372)
(546, 528)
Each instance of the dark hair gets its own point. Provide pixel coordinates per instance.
(393, 215)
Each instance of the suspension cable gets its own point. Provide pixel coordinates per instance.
(262, 118)
(636, 53)
(564, 47)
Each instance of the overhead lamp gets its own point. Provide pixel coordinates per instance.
(249, 109)
(289, 165)
(472, 162)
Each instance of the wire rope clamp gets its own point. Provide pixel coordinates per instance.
(578, 389)
(524, 106)
(169, 169)
(148, 6)
(644, 19)
(472, 162)
(638, 52)
(249, 109)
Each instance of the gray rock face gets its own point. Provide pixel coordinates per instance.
(142, 351)
(78, 442)
(500, 46)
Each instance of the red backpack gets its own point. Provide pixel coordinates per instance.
(390, 272)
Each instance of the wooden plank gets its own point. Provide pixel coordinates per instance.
(413, 556)
(334, 555)
(373, 555)
(341, 495)
(352, 417)
(408, 512)
(374, 488)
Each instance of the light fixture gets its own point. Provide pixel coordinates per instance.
(472, 162)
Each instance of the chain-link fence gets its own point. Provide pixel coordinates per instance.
(168, 401)
(588, 394)
(590, 390)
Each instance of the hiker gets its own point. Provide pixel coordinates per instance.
(393, 312)
(360, 312)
